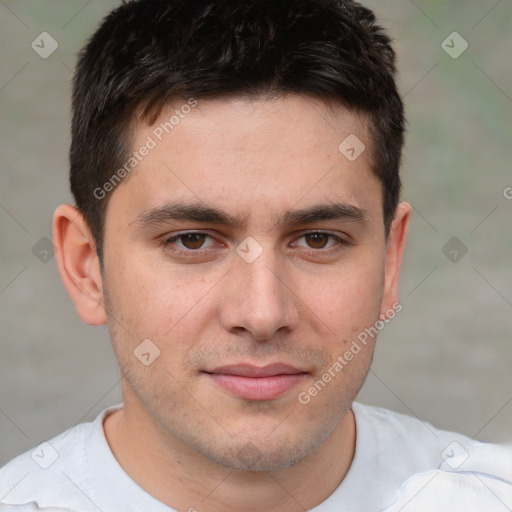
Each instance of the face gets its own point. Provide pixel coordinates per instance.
(250, 252)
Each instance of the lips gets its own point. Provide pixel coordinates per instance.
(245, 370)
(250, 382)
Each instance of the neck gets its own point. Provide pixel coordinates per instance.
(183, 479)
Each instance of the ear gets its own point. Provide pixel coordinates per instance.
(78, 263)
(394, 251)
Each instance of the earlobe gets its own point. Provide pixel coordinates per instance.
(78, 263)
(394, 253)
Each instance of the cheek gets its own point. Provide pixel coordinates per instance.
(145, 293)
(147, 302)
(348, 300)
(145, 305)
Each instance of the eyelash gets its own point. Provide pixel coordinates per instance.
(167, 242)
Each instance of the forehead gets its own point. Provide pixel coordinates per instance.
(253, 156)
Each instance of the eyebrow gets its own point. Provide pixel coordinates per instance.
(199, 212)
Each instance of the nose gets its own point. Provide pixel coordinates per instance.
(258, 298)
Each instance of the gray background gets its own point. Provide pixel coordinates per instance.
(446, 358)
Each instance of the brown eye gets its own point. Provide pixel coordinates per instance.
(192, 240)
(317, 240)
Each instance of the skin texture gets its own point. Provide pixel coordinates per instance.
(301, 302)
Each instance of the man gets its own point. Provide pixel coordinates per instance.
(238, 227)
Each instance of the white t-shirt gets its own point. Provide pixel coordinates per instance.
(400, 463)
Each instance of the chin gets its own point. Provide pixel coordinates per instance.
(259, 456)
